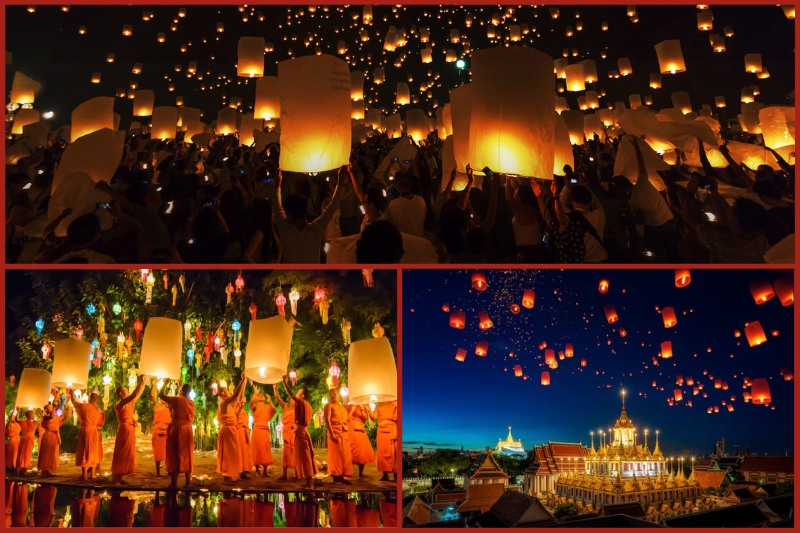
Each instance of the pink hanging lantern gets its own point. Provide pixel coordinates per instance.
(293, 377)
(334, 372)
(280, 301)
(239, 283)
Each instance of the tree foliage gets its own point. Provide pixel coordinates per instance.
(566, 509)
(444, 463)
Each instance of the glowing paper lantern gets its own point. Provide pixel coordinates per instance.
(268, 104)
(788, 11)
(683, 278)
(787, 374)
(611, 313)
(562, 151)
(403, 96)
(668, 314)
(592, 126)
(603, 286)
(315, 113)
(784, 288)
(250, 124)
(559, 66)
(759, 392)
(589, 70)
(460, 112)
(372, 371)
(670, 57)
(583, 362)
(752, 63)
(417, 124)
(705, 20)
(576, 80)
(777, 126)
(162, 348)
(511, 121)
(23, 89)
(624, 66)
(458, 319)
(34, 387)
(677, 394)
(479, 281)
(164, 122)
(666, 349)
(528, 298)
(461, 354)
(143, 101)
(717, 42)
(71, 363)
(761, 290)
(96, 77)
(482, 348)
(267, 353)
(518, 371)
(569, 351)
(755, 334)
(484, 322)
(251, 57)
(92, 115)
(226, 121)
(545, 380)
(575, 123)
(550, 358)
(681, 100)
(22, 118)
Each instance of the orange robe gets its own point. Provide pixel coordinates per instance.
(13, 430)
(230, 512)
(180, 438)
(85, 511)
(121, 511)
(26, 443)
(300, 514)
(264, 514)
(44, 505)
(387, 436)
(158, 515)
(243, 427)
(366, 517)
(343, 512)
(19, 505)
(262, 436)
(89, 449)
(229, 457)
(50, 444)
(360, 447)
(161, 420)
(340, 461)
(304, 464)
(389, 513)
(289, 429)
(124, 458)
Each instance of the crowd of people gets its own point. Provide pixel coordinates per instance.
(241, 449)
(177, 202)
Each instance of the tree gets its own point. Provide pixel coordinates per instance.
(444, 463)
(512, 465)
(566, 509)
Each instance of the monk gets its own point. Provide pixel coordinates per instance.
(229, 456)
(124, 458)
(340, 462)
(13, 429)
(121, 510)
(386, 414)
(304, 464)
(89, 448)
(180, 438)
(262, 436)
(161, 420)
(289, 428)
(245, 446)
(25, 455)
(44, 505)
(50, 443)
(86, 509)
(360, 447)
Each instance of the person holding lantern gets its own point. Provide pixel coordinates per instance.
(245, 445)
(360, 447)
(386, 414)
(304, 464)
(262, 436)
(289, 428)
(180, 437)
(89, 447)
(124, 459)
(50, 441)
(340, 462)
(13, 429)
(161, 421)
(229, 455)
(29, 426)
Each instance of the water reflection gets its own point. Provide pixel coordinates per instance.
(35, 505)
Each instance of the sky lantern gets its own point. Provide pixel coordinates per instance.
(592, 100)
(575, 123)
(719, 101)
(752, 63)
(545, 378)
(417, 125)
(403, 94)
(762, 292)
(250, 62)
(666, 349)
(268, 105)
(559, 66)
(91, 116)
(162, 348)
(775, 126)
(164, 122)
(461, 354)
(705, 20)
(426, 54)
(730, 407)
(143, 101)
(446, 307)
(23, 89)
(372, 371)
(755, 334)
(788, 11)
(592, 126)
(611, 313)
(479, 281)
(356, 85)
(622, 332)
(96, 77)
(717, 42)
(683, 277)
(515, 309)
(624, 66)
(71, 363)
(668, 314)
(784, 289)
(484, 322)
(357, 111)
(569, 351)
(127, 30)
(482, 348)
(655, 80)
(528, 298)
(589, 70)
(511, 124)
(583, 363)
(315, 113)
(635, 101)
(226, 121)
(787, 374)
(576, 80)
(22, 118)
(518, 371)
(679, 380)
(458, 319)
(681, 101)
(249, 124)
(267, 352)
(550, 358)
(759, 392)
(678, 395)
(33, 391)
(670, 57)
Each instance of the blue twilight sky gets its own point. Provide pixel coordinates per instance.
(451, 404)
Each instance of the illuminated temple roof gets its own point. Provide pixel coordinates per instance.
(509, 446)
(627, 443)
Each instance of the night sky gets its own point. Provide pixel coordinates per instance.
(451, 404)
(46, 45)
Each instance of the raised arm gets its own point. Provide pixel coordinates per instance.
(288, 390)
(463, 198)
(362, 199)
(277, 205)
(238, 392)
(277, 395)
(330, 210)
(134, 396)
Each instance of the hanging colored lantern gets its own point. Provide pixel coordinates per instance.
(174, 295)
(461, 354)
(120, 344)
(165, 277)
(229, 293)
(149, 282)
(683, 278)
(294, 297)
(666, 349)
(755, 334)
(603, 286)
(611, 314)
(239, 283)
(528, 298)
(182, 282)
(760, 393)
(293, 377)
(515, 308)
(761, 290)
(784, 289)
(319, 294)
(479, 281)
(214, 389)
(482, 348)
(39, 327)
(334, 372)
(545, 380)
(324, 306)
(144, 272)
(253, 309)
(668, 314)
(137, 327)
(116, 308)
(280, 301)
(484, 322)
(458, 319)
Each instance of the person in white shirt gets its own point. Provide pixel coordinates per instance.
(407, 211)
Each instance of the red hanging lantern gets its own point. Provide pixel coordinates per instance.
(334, 372)
(12, 380)
(545, 378)
(668, 314)
(683, 278)
(239, 283)
(280, 301)
(253, 309)
(761, 290)
(518, 371)
(482, 348)
(784, 289)
(484, 322)
(515, 309)
(458, 319)
(479, 281)
(199, 333)
(760, 392)
(144, 272)
(603, 286)
(569, 351)
(214, 389)
(461, 354)
(137, 327)
(528, 298)
(611, 314)
(755, 334)
(666, 349)
(319, 294)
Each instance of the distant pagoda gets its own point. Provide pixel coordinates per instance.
(509, 446)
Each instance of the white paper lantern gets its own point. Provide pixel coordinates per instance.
(92, 115)
(357, 110)
(752, 63)
(635, 100)
(560, 65)
(269, 343)
(143, 101)
(574, 121)
(624, 65)
(372, 371)
(403, 96)
(356, 85)
(393, 126)
(777, 126)
(34, 387)
(249, 125)
(460, 109)
(670, 57)
(315, 113)
(164, 122)
(162, 348)
(592, 126)
(22, 118)
(589, 70)
(71, 361)
(426, 54)
(23, 89)
(563, 147)
(576, 80)
(682, 102)
(251, 57)
(226, 121)
(267, 98)
(705, 20)
(417, 125)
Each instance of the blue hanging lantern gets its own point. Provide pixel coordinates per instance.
(39, 327)
(236, 326)
(190, 353)
(90, 308)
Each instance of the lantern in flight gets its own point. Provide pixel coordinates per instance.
(683, 278)
(461, 354)
(251, 57)
(759, 392)
(484, 322)
(784, 289)
(528, 298)
(611, 313)
(761, 290)
(518, 371)
(668, 314)
(545, 380)
(482, 348)
(458, 319)
(670, 57)
(479, 281)
(755, 334)
(666, 349)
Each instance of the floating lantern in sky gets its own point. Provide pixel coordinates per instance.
(479, 281)
(719, 101)
(143, 101)
(250, 62)
(518, 371)
(611, 314)
(759, 392)
(752, 63)
(784, 289)
(71, 363)
(625, 67)
(755, 334)
(670, 57)
(267, 353)
(788, 11)
(127, 30)
(545, 379)
(162, 348)
(666, 349)
(92, 115)
(372, 371)
(678, 395)
(682, 102)
(484, 322)
(226, 121)
(267, 106)
(589, 70)
(458, 319)
(356, 85)
(482, 348)
(403, 95)
(717, 42)
(576, 80)
(164, 122)
(461, 354)
(22, 118)
(528, 298)
(787, 374)
(761, 290)
(23, 89)
(569, 351)
(705, 20)
(668, 314)
(417, 124)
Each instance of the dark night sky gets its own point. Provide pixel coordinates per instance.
(46, 45)
(470, 404)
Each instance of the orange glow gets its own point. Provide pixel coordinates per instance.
(755, 334)
(458, 319)
(482, 348)
(668, 314)
(545, 378)
(762, 291)
(666, 349)
(461, 354)
(611, 314)
(784, 288)
(682, 278)
(528, 298)
(479, 281)
(603, 287)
